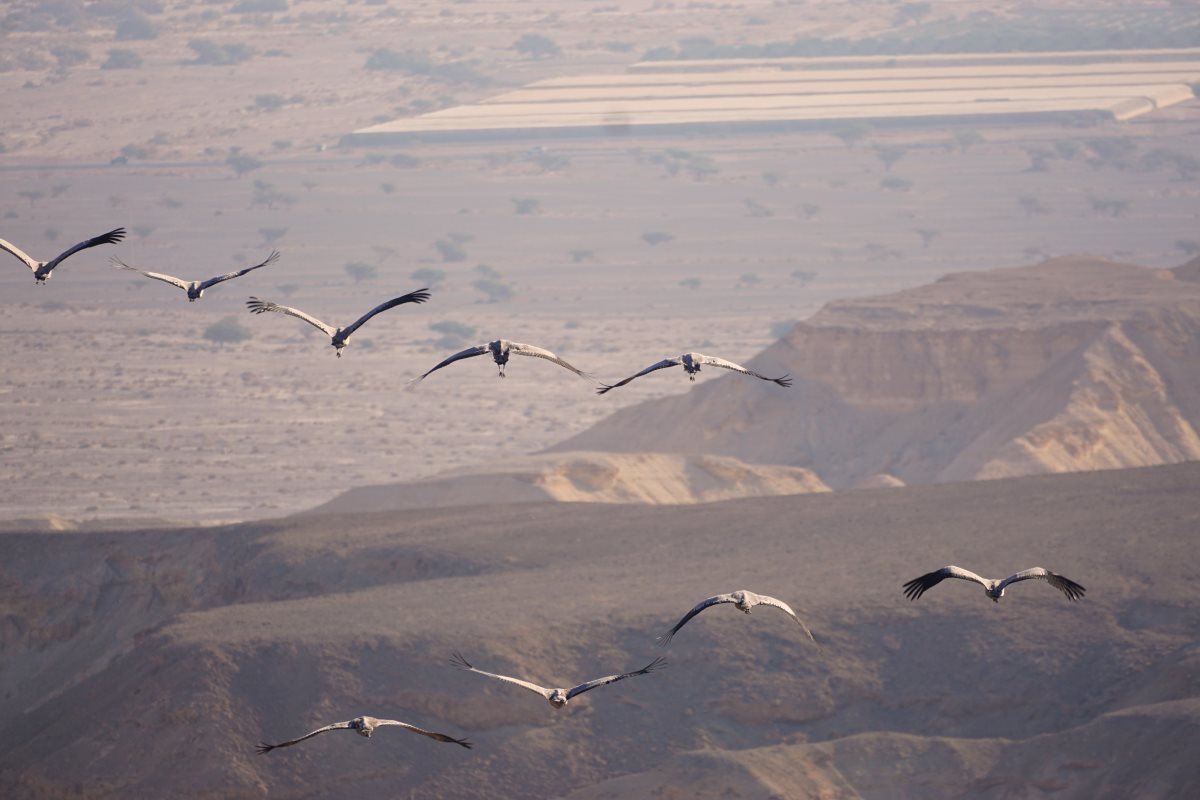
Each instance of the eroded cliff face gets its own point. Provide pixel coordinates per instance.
(1074, 364)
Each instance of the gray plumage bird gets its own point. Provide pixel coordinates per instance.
(42, 269)
(992, 586)
(337, 336)
(195, 289)
(559, 697)
(500, 350)
(365, 726)
(743, 600)
(691, 363)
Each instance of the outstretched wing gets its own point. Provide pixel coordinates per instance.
(470, 352)
(703, 604)
(723, 364)
(239, 273)
(441, 737)
(158, 276)
(112, 237)
(918, 586)
(457, 660)
(266, 748)
(1070, 588)
(771, 601)
(257, 306)
(419, 296)
(537, 352)
(19, 253)
(656, 664)
(666, 362)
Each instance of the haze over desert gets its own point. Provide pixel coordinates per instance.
(826, 313)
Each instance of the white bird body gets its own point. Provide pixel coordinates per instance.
(337, 336)
(195, 289)
(993, 587)
(500, 350)
(365, 726)
(743, 600)
(559, 697)
(691, 363)
(42, 269)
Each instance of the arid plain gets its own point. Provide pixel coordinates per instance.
(168, 598)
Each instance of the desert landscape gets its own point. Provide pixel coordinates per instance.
(215, 533)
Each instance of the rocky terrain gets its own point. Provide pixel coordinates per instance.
(1074, 364)
(150, 662)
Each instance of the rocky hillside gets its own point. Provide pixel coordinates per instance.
(651, 478)
(149, 663)
(1073, 364)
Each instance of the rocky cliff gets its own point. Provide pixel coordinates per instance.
(1074, 364)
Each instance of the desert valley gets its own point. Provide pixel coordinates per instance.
(968, 234)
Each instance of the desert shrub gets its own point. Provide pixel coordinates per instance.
(881, 252)
(690, 283)
(227, 331)
(537, 46)
(241, 163)
(172, 203)
(757, 209)
(59, 189)
(809, 210)
(387, 188)
(450, 251)
(851, 135)
(131, 151)
(494, 290)
(259, 6)
(266, 194)
(889, 154)
(894, 184)
(1108, 206)
(69, 56)
(288, 289)
(1189, 247)
(428, 276)
(748, 279)
(527, 205)
(486, 271)
(404, 161)
(282, 144)
(135, 27)
(272, 235)
(654, 238)
(927, 235)
(1111, 151)
(269, 102)
(52, 234)
(32, 195)
(453, 334)
(210, 53)
(142, 231)
(964, 140)
(1032, 206)
(1185, 165)
(579, 255)
(121, 59)
(415, 64)
(1067, 150)
(803, 276)
(361, 271)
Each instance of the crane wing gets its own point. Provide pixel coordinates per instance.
(239, 273)
(703, 604)
(918, 586)
(656, 664)
(537, 352)
(457, 660)
(158, 276)
(771, 601)
(723, 364)
(666, 362)
(266, 748)
(112, 237)
(19, 253)
(441, 737)
(1070, 588)
(257, 306)
(470, 352)
(419, 296)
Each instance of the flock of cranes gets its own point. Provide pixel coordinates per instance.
(500, 350)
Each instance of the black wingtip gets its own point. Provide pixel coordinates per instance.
(785, 381)
(604, 388)
(114, 236)
(457, 659)
(658, 663)
(264, 748)
(464, 743)
(419, 296)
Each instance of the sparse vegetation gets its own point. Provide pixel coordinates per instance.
(52, 234)
(1032, 206)
(404, 161)
(69, 56)
(429, 276)
(965, 139)
(527, 205)
(32, 195)
(272, 235)
(757, 210)
(1189, 247)
(450, 251)
(241, 163)
(747, 279)
(454, 335)
(803, 276)
(927, 236)
(490, 282)
(121, 59)
(227, 331)
(690, 283)
(536, 46)
(889, 154)
(1185, 165)
(894, 184)
(265, 194)
(361, 271)
(415, 64)
(142, 231)
(134, 26)
(210, 53)
(851, 135)
(654, 238)
(579, 255)
(259, 6)
(1108, 206)
(782, 328)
